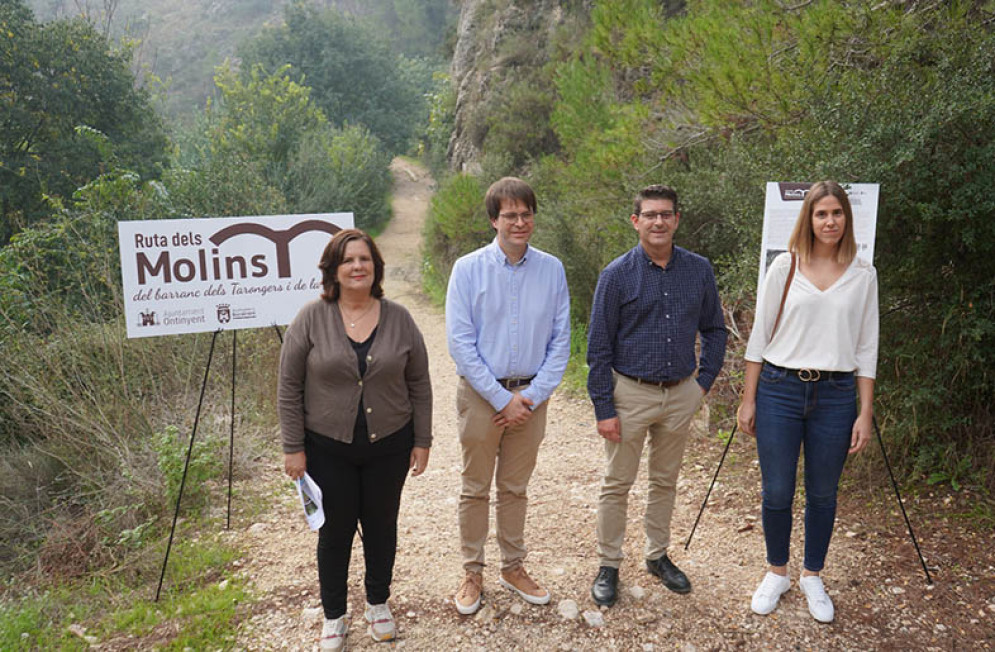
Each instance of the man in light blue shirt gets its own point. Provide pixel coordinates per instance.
(508, 327)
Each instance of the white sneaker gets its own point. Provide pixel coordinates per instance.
(819, 604)
(769, 592)
(333, 633)
(381, 622)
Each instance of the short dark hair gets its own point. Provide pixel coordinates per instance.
(508, 188)
(333, 255)
(656, 191)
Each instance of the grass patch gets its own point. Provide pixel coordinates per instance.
(981, 514)
(38, 622)
(432, 284)
(575, 377)
(200, 607)
(202, 618)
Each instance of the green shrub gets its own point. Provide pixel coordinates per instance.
(86, 478)
(441, 122)
(195, 610)
(226, 184)
(517, 124)
(916, 114)
(202, 466)
(356, 76)
(927, 139)
(341, 170)
(267, 148)
(67, 267)
(457, 223)
(70, 109)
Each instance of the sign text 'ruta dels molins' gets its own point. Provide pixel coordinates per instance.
(201, 275)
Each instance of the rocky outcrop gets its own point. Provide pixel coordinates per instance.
(461, 149)
(493, 37)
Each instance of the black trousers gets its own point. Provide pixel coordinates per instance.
(360, 482)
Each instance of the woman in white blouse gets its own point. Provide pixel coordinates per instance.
(813, 344)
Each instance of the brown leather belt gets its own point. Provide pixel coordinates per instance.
(654, 383)
(512, 383)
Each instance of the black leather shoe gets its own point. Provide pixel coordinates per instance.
(605, 587)
(671, 575)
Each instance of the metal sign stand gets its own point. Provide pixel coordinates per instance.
(898, 496)
(193, 434)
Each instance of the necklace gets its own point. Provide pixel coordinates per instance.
(352, 321)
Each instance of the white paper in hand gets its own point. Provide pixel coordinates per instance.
(310, 494)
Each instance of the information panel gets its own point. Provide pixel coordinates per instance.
(205, 274)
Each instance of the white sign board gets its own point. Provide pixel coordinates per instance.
(784, 201)
(197, 275)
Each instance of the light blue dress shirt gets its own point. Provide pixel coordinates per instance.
(507, 320)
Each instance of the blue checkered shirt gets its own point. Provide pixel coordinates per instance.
(645, 320)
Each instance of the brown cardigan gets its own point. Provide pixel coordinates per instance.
(320, 386)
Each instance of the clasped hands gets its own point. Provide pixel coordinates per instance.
(515, 413)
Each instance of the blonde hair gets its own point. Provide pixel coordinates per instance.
(802, 236)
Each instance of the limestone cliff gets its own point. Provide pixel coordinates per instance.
(498, 43)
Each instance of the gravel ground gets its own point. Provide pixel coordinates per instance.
(873, 574)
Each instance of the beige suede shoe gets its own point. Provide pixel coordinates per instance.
(467, 598)
(518, 580)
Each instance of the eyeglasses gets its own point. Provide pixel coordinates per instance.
(512, 218)
(653, 216)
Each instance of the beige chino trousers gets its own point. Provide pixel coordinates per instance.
(506, 455)
(663, 417)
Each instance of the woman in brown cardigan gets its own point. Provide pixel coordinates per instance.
(355, 404)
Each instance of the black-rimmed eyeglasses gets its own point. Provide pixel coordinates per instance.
(653, 216)
(511, 218)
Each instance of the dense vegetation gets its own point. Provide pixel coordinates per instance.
(181, 42)
(354, 73)
(60, 81)
(716, 98)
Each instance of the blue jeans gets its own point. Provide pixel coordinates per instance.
(819, 415)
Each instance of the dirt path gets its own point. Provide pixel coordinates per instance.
(872, 571)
